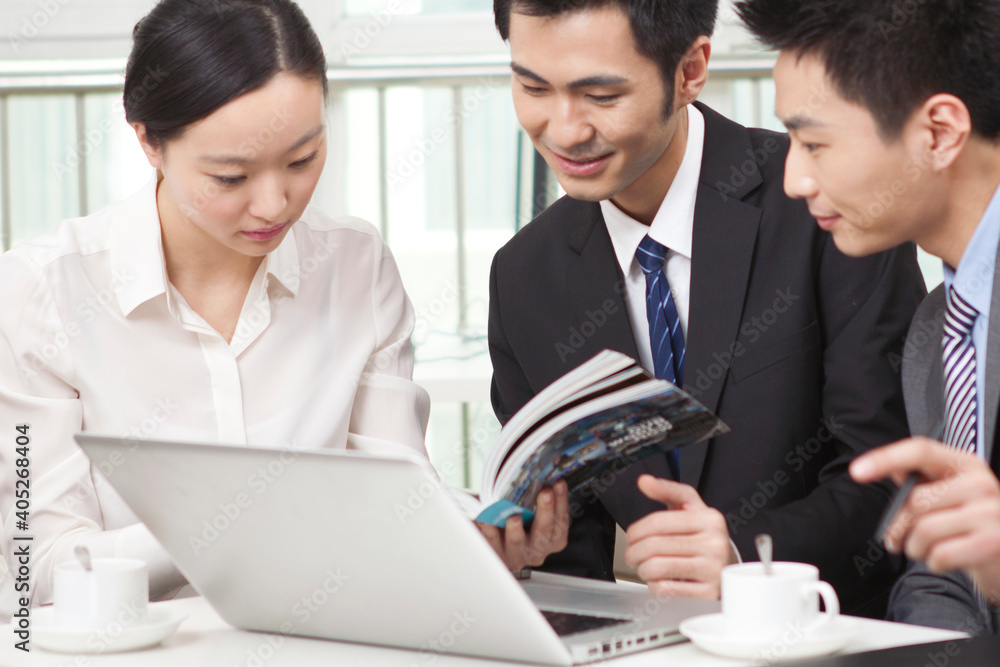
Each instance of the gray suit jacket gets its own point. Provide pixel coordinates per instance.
(922, 597)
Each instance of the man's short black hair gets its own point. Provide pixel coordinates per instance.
(890, 56)
(663, 29)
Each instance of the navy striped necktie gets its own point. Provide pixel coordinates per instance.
(960, 373)
(666, 337)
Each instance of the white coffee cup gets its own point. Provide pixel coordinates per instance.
(766, 607)
(115, 591)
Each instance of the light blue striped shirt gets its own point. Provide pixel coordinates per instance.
(973, 280)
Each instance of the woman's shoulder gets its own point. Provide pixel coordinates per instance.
(320, 222)
(85, 239)
(80, 237)
(345, 236)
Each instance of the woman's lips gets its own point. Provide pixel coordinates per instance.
(266, 234)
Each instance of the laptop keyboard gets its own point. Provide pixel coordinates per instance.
(566, 624)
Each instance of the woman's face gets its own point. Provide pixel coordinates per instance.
(244, 174)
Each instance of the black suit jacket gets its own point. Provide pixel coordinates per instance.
(792, 344)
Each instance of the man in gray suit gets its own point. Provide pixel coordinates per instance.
(894, 114)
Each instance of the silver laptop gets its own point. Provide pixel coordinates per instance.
(358, 547)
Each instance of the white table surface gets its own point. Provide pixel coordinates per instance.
(205, 639)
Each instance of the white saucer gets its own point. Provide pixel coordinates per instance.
(46, 634)
(708, 633)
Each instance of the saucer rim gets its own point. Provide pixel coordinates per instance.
(707, 637)
(160, 624)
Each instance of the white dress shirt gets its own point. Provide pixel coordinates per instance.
(673, 227)
(93, 337)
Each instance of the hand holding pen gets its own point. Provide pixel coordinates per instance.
(899, 498)
(950, 518)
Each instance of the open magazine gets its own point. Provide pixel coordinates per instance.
(604, 411)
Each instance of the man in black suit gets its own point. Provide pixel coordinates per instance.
(791, 343)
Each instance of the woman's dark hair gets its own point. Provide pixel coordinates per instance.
(190, 57)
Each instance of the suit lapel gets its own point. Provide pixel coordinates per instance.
(923, 375)
(725, 232)
(595, 278)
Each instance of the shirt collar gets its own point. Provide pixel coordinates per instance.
(137, 263)
(673, 225)
(973, 279)
(283, 262)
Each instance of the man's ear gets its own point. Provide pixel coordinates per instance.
(154, 153)
(692, 72)
(945, 125)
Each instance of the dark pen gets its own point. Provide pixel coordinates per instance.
(900, 496)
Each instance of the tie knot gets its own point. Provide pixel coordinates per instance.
(959, 315)
(651, 255)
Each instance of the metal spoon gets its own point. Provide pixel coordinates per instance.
(765, 548)
(83, 555)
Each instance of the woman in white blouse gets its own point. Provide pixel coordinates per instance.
(212, 305)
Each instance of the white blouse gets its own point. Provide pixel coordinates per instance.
(94, 338)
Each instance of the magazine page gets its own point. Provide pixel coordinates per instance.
(536, 411)
(590, 440)
(629, 377)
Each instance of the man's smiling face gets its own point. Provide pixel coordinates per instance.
(595, 108)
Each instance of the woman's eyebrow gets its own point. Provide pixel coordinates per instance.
(241, 160)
